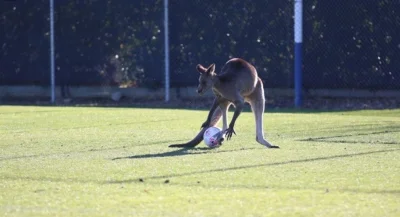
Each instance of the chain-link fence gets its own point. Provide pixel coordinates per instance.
(97, 42)
(213, 31)
(346, 44)
(352, 44)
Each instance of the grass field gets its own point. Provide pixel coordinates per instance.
(86, 161)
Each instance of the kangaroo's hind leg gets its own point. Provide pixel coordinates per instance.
(216, 117)
(257, 103)
(224, 106)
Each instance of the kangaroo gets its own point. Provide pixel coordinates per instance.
(237, 83)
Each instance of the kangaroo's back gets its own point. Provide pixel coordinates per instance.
(238, 75)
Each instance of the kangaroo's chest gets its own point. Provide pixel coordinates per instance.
(225, 93)
(216, 92)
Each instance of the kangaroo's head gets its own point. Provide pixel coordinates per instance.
(206, 78)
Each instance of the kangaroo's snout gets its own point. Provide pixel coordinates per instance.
(199, 90)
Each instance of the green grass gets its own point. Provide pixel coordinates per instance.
(67, 161)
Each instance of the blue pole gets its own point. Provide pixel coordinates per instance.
(166, 51)
(298, 44)
(52, 61)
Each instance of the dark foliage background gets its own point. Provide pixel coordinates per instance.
(346, 44)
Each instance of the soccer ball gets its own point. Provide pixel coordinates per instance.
(212, 136)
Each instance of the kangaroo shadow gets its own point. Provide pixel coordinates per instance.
(295, 161)
(181, 152)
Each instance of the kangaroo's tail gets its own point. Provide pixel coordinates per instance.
(199, 137)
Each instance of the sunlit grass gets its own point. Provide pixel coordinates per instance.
(77, 161)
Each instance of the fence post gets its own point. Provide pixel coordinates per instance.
(166, 51)
(298, 42)
(52, 62)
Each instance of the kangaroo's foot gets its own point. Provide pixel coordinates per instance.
(264, 142)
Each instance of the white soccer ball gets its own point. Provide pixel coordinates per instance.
(211, 137)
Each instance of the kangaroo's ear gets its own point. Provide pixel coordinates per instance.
(201, 68)
(211, 69)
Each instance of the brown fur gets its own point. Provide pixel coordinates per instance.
(238, 83)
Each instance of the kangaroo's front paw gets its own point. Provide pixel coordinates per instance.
(229, 133)
(221, 138)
